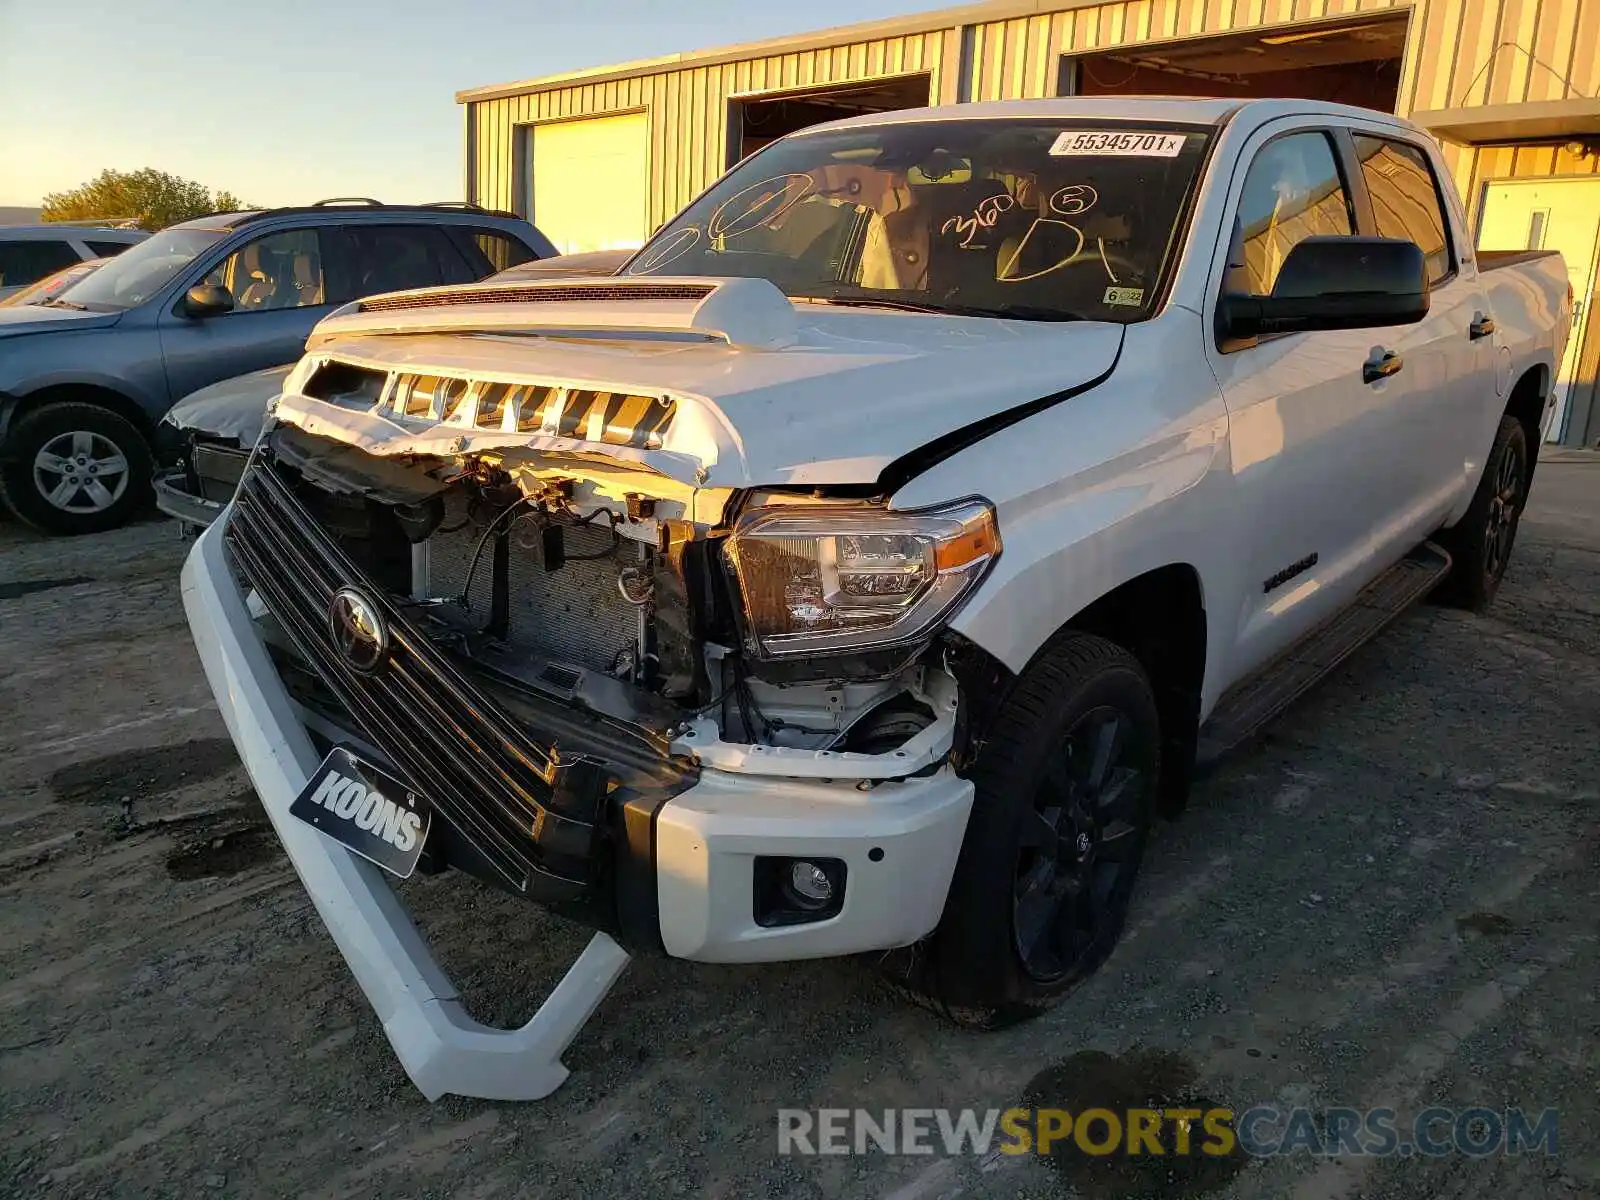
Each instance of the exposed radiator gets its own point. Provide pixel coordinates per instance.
(572, 615)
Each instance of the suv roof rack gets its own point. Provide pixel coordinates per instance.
(363, 204)
(469, 206)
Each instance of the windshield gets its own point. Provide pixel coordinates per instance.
(1037, 219)
(141, 271)
(51, 285)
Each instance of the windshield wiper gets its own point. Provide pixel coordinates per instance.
(1016, 312)
(58, 302)
(874, 302)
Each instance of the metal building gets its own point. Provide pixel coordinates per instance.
(600, 157)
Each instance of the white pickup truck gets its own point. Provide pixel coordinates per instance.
(870, 563)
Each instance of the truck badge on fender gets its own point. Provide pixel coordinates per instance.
(1299, 567)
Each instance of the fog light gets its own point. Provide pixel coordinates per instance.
(809, 884)
(797, 891)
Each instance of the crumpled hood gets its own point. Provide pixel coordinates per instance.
(235, 408)
(36, 318)
(838, 395)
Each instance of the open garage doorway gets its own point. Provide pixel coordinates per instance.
(753, 121)
(1354, 61)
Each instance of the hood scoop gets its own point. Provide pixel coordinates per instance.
(526, 294)
(751, 314)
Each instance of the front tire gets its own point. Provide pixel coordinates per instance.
(1480, 543)
(1065, 789)
(74, 468)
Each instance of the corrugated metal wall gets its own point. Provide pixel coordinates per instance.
(1458, 52)
(688, 112)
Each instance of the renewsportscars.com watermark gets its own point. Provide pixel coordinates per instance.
(1262, 1132)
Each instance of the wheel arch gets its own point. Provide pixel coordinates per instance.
(1158, 616)
(1527, 401)
(13, 408)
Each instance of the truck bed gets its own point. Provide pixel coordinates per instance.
(1493, 260)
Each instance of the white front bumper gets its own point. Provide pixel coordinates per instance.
(899, 842)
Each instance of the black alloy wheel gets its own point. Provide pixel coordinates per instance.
(1064, 789)
(1505, 506)
(1081, 849)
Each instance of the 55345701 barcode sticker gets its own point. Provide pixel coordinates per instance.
(1130, 143)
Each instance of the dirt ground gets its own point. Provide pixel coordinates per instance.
(1391, 901)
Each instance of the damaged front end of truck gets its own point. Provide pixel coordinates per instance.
(704, 715)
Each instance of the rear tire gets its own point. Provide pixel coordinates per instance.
(1065, 788)
(74, 468)
(1480, 543)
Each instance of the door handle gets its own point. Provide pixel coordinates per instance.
(1481, 327)
(1381, 365)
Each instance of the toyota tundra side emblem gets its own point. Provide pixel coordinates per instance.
(360, 633)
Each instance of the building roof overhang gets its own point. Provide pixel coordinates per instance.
(1507, 124)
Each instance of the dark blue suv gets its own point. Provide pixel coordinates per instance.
(85, 378)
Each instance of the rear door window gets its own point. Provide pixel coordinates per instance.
(394, 258)
(107, 249)
(496, 250)
(1405, 199)
(27, 262)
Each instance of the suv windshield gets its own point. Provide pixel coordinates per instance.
(141, 271)
(1036, 219)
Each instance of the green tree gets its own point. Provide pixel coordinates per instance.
(153, 198)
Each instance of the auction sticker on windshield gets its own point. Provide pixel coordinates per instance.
(1132, 143)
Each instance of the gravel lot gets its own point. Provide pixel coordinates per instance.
(1391, 901)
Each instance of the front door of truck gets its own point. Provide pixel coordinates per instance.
(1311, 427)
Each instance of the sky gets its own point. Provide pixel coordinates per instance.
(292, 101)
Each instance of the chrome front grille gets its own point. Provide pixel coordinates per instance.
(532, 815)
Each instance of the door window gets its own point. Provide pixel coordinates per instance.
(1405, 199)
(281, 270)
(1293, 191)
(394, 258)
(108, 249)
(26, 262)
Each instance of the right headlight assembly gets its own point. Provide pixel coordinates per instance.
(818, 579)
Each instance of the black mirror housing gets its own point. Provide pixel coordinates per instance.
(1335, 283)
(207, 300)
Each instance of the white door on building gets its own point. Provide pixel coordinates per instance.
(590, 179)
(1551, 214)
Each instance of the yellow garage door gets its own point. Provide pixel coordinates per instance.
(589, 182)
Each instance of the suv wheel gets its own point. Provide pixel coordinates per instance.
(1065, 791)
(74, 468)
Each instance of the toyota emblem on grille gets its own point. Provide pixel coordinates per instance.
(359, 631)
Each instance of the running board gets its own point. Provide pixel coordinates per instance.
(1249, 705)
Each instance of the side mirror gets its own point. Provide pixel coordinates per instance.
(1335, 283)
(207, 300)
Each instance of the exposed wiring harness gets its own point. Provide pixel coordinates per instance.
(539, 510)
(483, 540)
